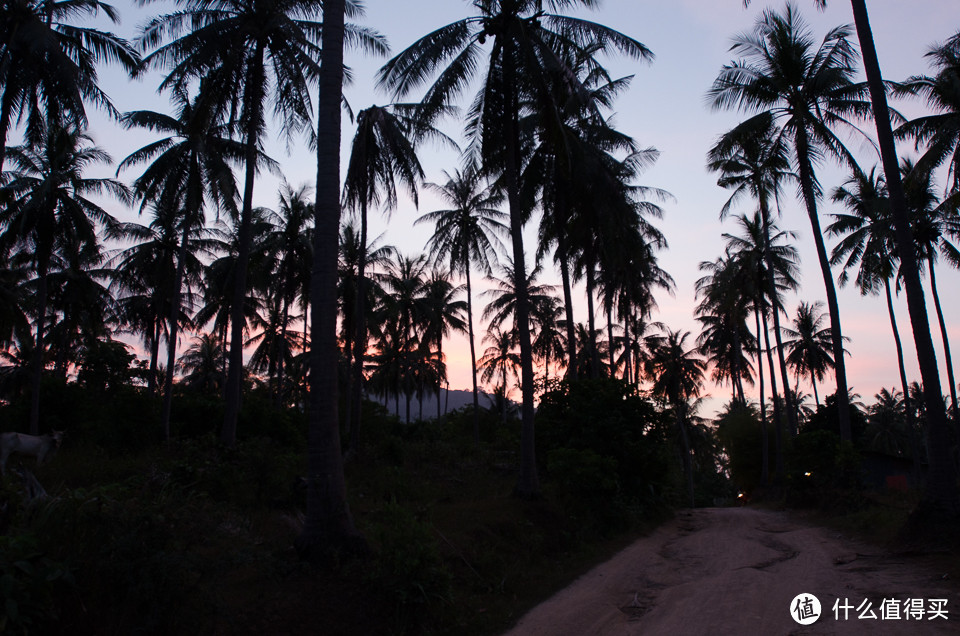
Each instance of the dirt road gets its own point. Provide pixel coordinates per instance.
(736, 571)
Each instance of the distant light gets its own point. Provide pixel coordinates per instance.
(806, 474)
(740, 496)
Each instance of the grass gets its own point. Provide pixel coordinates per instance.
(193, 538)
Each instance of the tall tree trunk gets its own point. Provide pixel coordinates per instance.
(172, 340)
(947, 358)
(284, 320)
(328, 525)
(810, 200)
(777, 412)
(764, 435)
(592, 323)
(567, 295)
(37, 362)
(355, 407)
(528, 485)
(154, 357)
(473, 359)
(687, 457)
(253, 97)
(941, 495)
(908, 409)
(775, 306)
(613, 364)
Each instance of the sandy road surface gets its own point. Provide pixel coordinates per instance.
(735, 571)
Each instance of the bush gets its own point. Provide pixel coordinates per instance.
(616, 438)
(30, 582)
(407, 566)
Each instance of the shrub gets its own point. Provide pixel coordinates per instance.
(407, 566)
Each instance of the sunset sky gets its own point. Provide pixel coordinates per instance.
(665, 108)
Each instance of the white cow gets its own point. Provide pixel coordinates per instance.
(41, 447)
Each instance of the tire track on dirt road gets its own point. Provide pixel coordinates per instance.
(735, 571)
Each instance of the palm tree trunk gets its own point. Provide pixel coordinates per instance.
(941, 493)
(253, 98)
(37, 362)
(592, 322)
(328, 525)
(896, 338)
(764, 435)
(154, 357)
(284, 320)
(948, 360)
(775, 305)
(172, 340)
(908, 409)
(775, 396)
(473, 359)
(439, 379)
(687, 459)
(810, 200)
(567, 300)
(359, 348)
(528, 485)
(613, 364)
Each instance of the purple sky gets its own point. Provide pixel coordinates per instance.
(665, 108)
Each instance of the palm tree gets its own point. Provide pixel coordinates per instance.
(677, 374)
(202, 364)
(190, 165)
(290, 243)
(328, 524)
(939, 132)
(934, 224)
(49, 210)
(383, 154)
(526, 66)
(723, 311)
(753, 160)
(809, 349)
(466, 235)
(499, 359)
(502, 309)
(868, 241)
(48, 66)
(238, 50)
(442, 314)
(941, 493)
(805, 89)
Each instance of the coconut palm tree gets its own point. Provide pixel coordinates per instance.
(466, 235)
(868, 242)
(48, 64)
(723, 312)
(807, 89)
(50, 210)
(753, 160)
(525, 66)
(290, 242)
(936, 230)
(382, 155)
(810, 345)
(189, 166)
(238, 50)
(501, 360)
(328, 524)
(442, 315)
(941, 493)
(677, 374)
